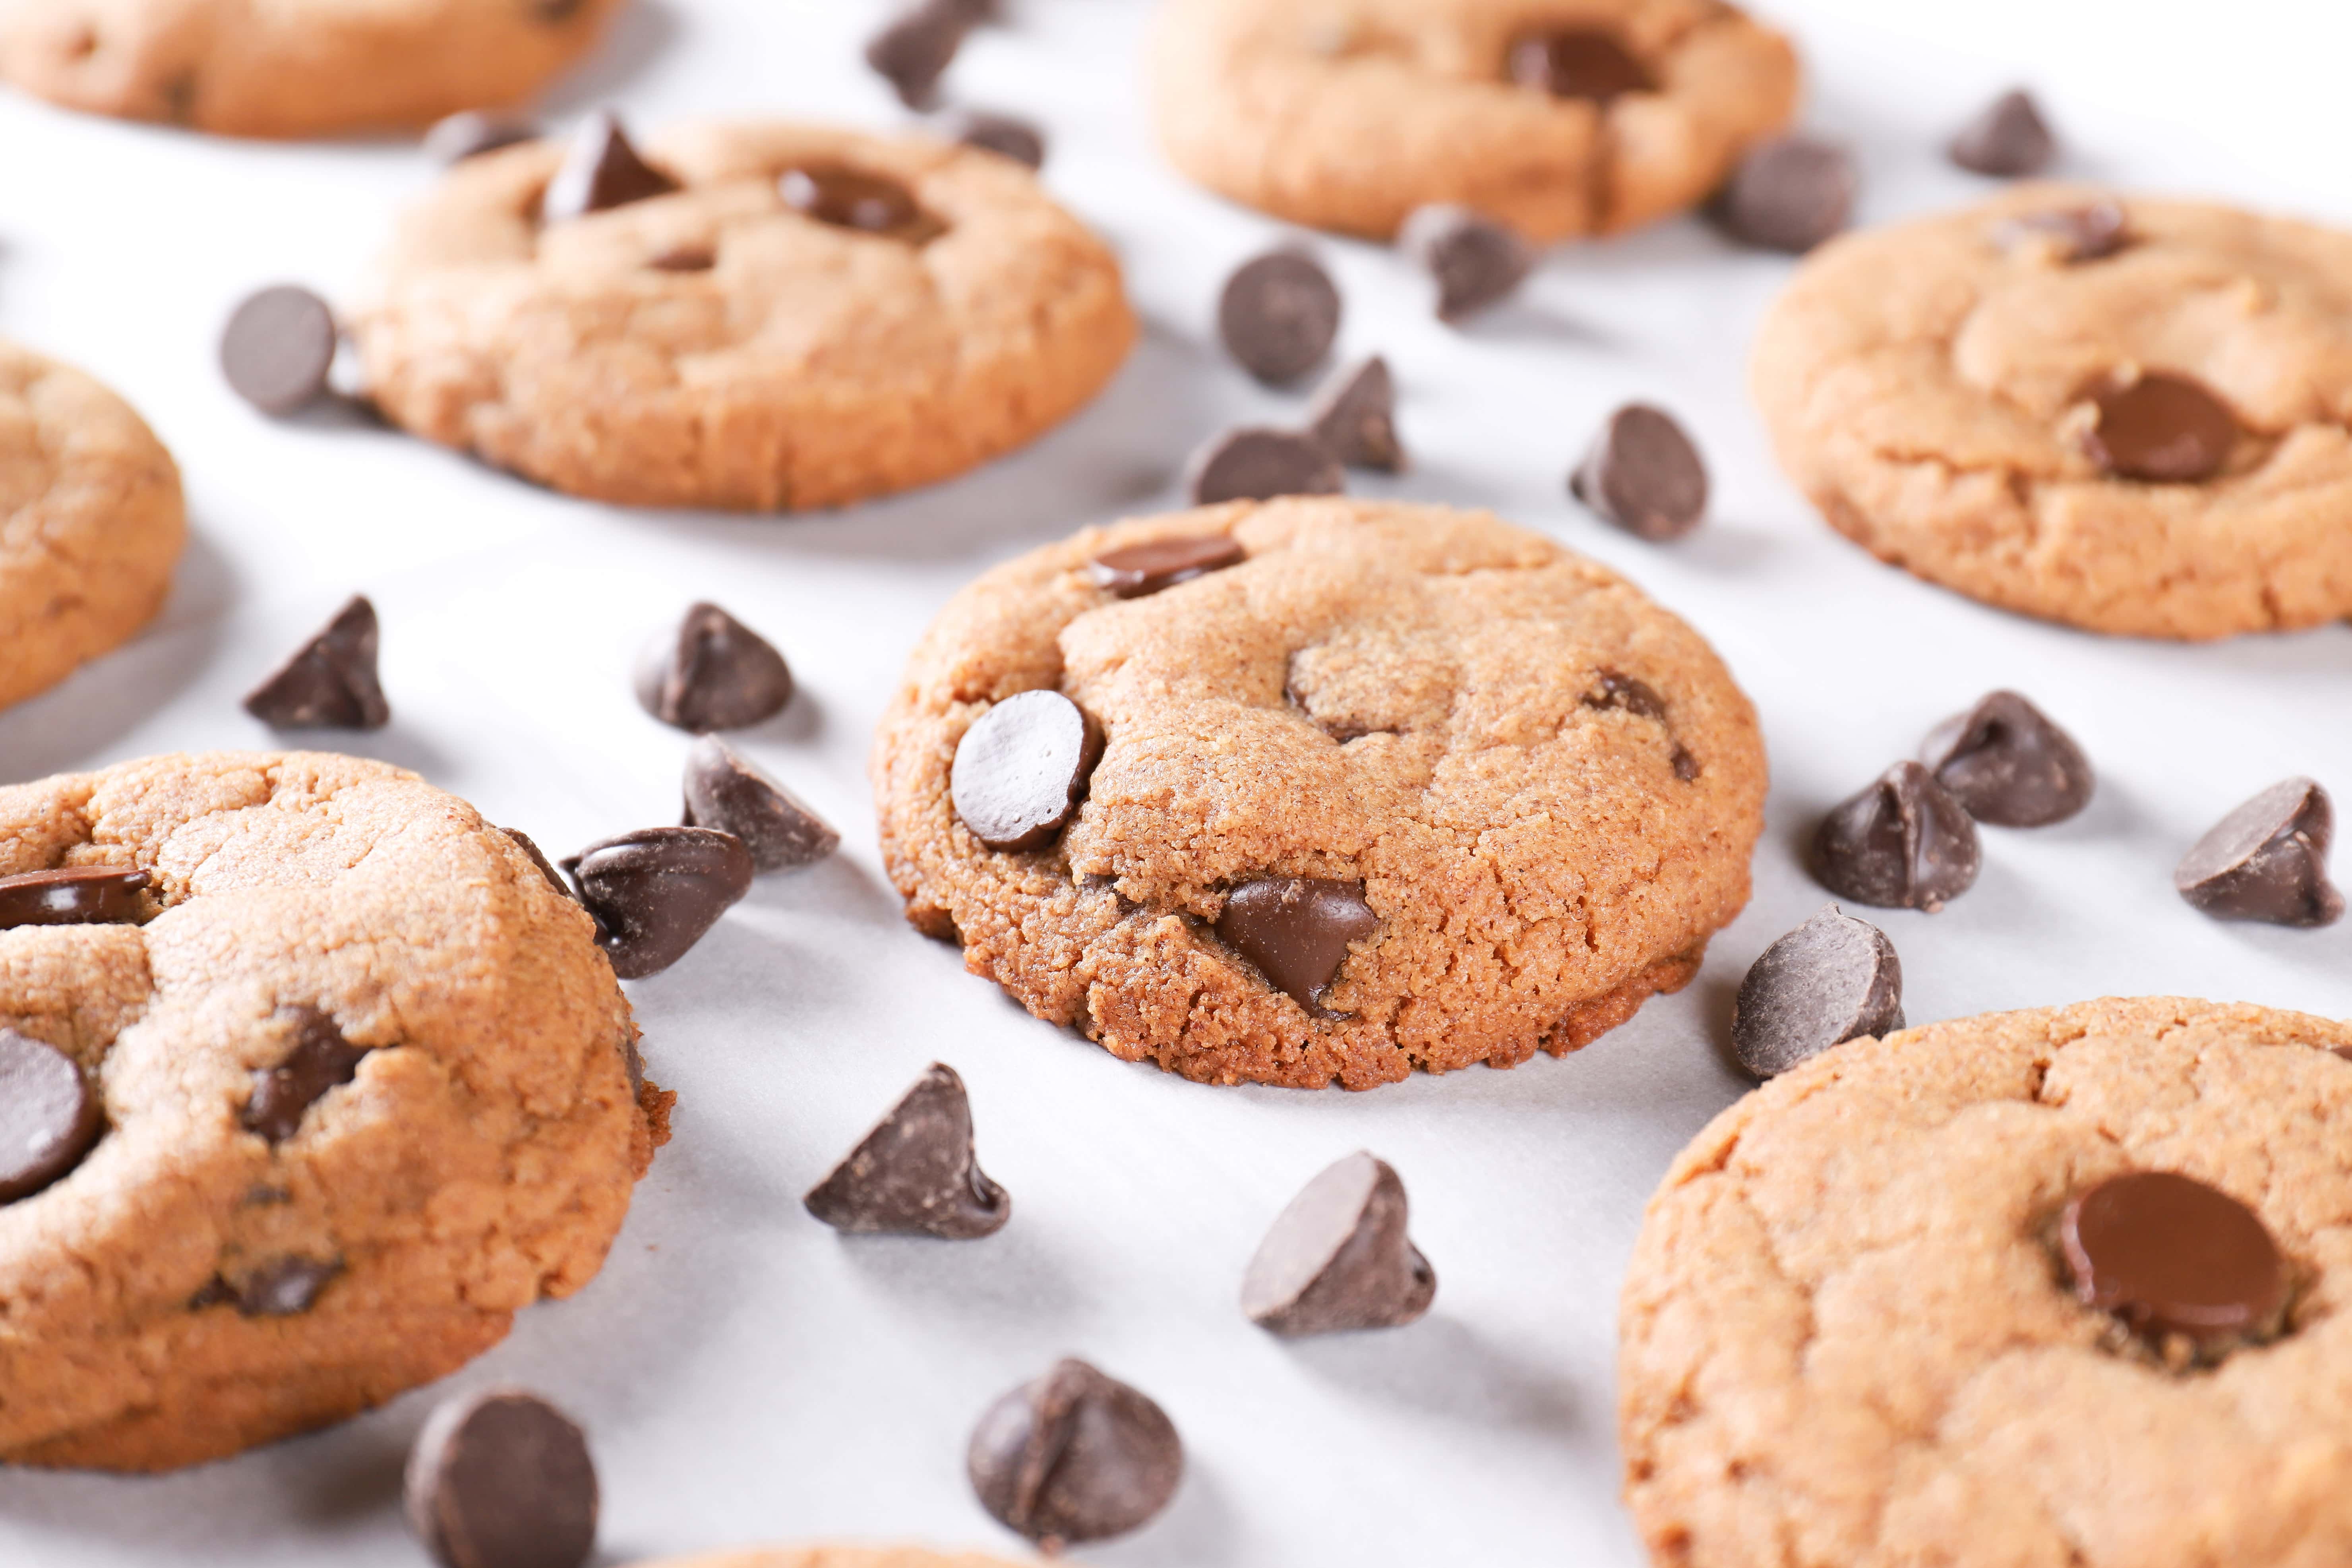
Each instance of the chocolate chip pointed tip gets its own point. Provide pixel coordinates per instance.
(712, 672)
(2008, 139)
(1789, 194)
(658, 892)
(1339, 1257)
(2170, 1255)
(1902, 843)
(1296, 930)
(2008, 764)
(1278, 315)
(2267, 860)
(1021, 769)
(1075, 1456)
(602, 169)
(1354, 416)
(1832, 979)
(1255, 463)
(277, 350)
(50, 1117)
(725, 791)
(916, 1174)
(1644, 475)
(502, 1478)
(329, 682)
(1476, 261)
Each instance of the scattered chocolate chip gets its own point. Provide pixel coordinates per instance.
(2165, 429)
(686, 259)
(1636, 697)
(1576, 62)
(279, 348)
(71, 896)
(329, 682)
(2009, 139)
(2077, 233)
(1789, 194)
(851, 198)
(1338, 1257)
(319, 1060)
(1075, 1456)
(656, 891)
(1259, 463)
(1831, 980)
(1278, 315)
(1902, 844)
(1475, 260)
(500, 1479)
(726, 792)
(287, 1288)
(915, 1174)
(599, 170)
(1355, 418)
(2008, 764)
(2267, 860)
(1022, 768)
(914, 50)
(474, 132)
(50, 1116)
(712, 672)
(1643, 474)
(1002, 134)
(538, 858)
(1138, 570)
(1296, 930)
(2169, 1254)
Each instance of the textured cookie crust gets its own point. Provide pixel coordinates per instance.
(1925, 384)
(91, 521)
(292, 68)
(1348, 114)
(836, 1557)
(1846, 1341)
(481, 1160)
(811, 366)
(1540, 868)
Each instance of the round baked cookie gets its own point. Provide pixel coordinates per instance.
(1520, 795)
(292, 68)
(836, 1557)
(1850, 1337)
(92, 521)
(368, 1087)
(1348, 114)
(1936, 389)
(714, 346)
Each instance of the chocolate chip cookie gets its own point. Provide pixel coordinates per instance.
(361, 1087)
(2121, 413)
(2057, 1287)
(747, 315)
(1312, 790)
(1560, 117)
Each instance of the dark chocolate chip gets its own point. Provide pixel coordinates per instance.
(1339, 1258)
(601, 169)
(474, 132)
(500, 1479)
(2267, 860)
(2008, 764)
(2076, 234)
(726, 792)
(1902, 844)
(50, 1115)
(318, 1059)
(1476, 261)
(1355, 418)
(914, 50)
(656, 891)
(2169, 1254)
(712, 672)
(285, 1287)
(329, 682)
(71, 896)
(2165, 429)
(1278, 315)
(1789, 194)
(1636, 697)
(1022, 768)
(1075, 1456)
(1138, 570)
(686, 259)
(1002, 134)
(915, 1174)
(1260, 464)
(1643, 474)
(2009, 139)
(538, 858)
(1578, 62)
(1687, 766)
(1831, 980)
(851, 198)
(1296, 930)
(278, 349)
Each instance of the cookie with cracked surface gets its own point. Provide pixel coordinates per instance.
(1852, 1335)
(368, 1089)
(814, 318)
(836, 1557)
(292, 68)
(2125, 413)
(1560, 118)
(1390, 786)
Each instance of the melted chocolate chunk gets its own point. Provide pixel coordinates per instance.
(320, 1060)
(1137, 570)
(1578, 62)
(502, 1478)
(1902, 844)
(916, 1172)
(1339, 1257)
(1022, 768)
(2169, 1254)
(851, 198)
(1074, 1457)
(50, 1115)
(1831, 980)
(72, 896)
(2163, 429)
(1296, 930)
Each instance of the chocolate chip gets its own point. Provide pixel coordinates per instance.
(725, 792)
(1636, 697)
(2007, 764)
(656, 891)
(50, 1116)
(72, 896)
(1075, 1456)
(2009, 138)
(1355, 418)
(1475, 260)
(279, 348)
(1022, 768)
(320, 1060)
(1259, 463)
(1296, 930)
(1338, 1257)
(538, 858)
(1278, 315)
(601, 169)
(1002, 134)
(686, 259)
(474, 132)
(284, 1287)
(2165, 429)
(1643, 474)
(1902, 844)
(2267, 860)
(1138, 570)
(1831, 980)
(712, 672)
(500, 1479)
(2075, 234)
(1687, 766)
(916, 1172)
(2169, 1254)
(1789, 194)
(851, 198)
(1576, 62)
(914, 50)
(329, 682)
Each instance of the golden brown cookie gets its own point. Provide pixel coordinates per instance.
(1849, 1337)
(1515, 796)
(1348, 114)
(1993, 400)
(369, 1089)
